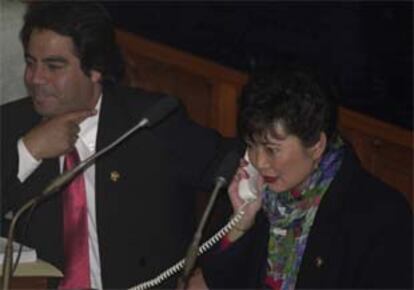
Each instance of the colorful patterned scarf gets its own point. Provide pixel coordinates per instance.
(291, 215)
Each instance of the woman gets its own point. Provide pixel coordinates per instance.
(320, 220)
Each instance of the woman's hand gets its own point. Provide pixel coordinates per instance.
(251, 209)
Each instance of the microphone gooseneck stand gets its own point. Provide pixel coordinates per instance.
(192, 251)
(225, 172)
(8, 254)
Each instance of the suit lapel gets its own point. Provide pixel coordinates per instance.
(324, 253)
(113, 122)
(114, 119)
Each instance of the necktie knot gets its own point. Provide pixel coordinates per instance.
(71, 159)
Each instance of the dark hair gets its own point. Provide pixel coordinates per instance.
(88, 25)
(293, 96)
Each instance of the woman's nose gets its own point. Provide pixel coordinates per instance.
(261, 159)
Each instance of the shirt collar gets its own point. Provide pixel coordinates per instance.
(89, 128)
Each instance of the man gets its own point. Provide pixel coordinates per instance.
(139, 197)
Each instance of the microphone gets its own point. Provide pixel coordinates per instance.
(150, 118)
(160, 110)
(225, 172)
(228, 167)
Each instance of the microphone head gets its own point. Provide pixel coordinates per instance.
(228, 166)
(160, 110)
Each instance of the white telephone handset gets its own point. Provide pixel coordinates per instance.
(248, 187)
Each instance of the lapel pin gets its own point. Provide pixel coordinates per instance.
(115, 176)
(319, 262)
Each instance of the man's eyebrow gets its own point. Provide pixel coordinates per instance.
(59, 59)
(49, 59)
(271, 144)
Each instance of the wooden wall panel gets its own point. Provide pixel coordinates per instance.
(155, 76)
(384, 150)
(209, 91)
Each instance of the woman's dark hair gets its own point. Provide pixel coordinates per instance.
(295, 97)
(88, 25)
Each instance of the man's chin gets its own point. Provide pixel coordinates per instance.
(44, 111)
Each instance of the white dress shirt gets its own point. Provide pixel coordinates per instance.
(86, 146)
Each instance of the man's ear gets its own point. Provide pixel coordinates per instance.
(318, 149)
(96, 76)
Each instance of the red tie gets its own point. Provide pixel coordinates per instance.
(75, 230)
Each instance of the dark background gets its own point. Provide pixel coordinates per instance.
(365, 46)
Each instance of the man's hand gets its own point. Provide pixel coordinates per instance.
(55, 136)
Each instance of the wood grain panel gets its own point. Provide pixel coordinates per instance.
(209, 92)
(155, 76)
(384, 150)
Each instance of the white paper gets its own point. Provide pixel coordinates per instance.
(28, 254)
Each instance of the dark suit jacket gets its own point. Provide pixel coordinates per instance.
(145, 219)
(361, 238)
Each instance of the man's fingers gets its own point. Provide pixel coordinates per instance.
(74, 128)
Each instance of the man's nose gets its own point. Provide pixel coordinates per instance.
(38, 75)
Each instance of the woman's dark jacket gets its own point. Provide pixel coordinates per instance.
(361, 238)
